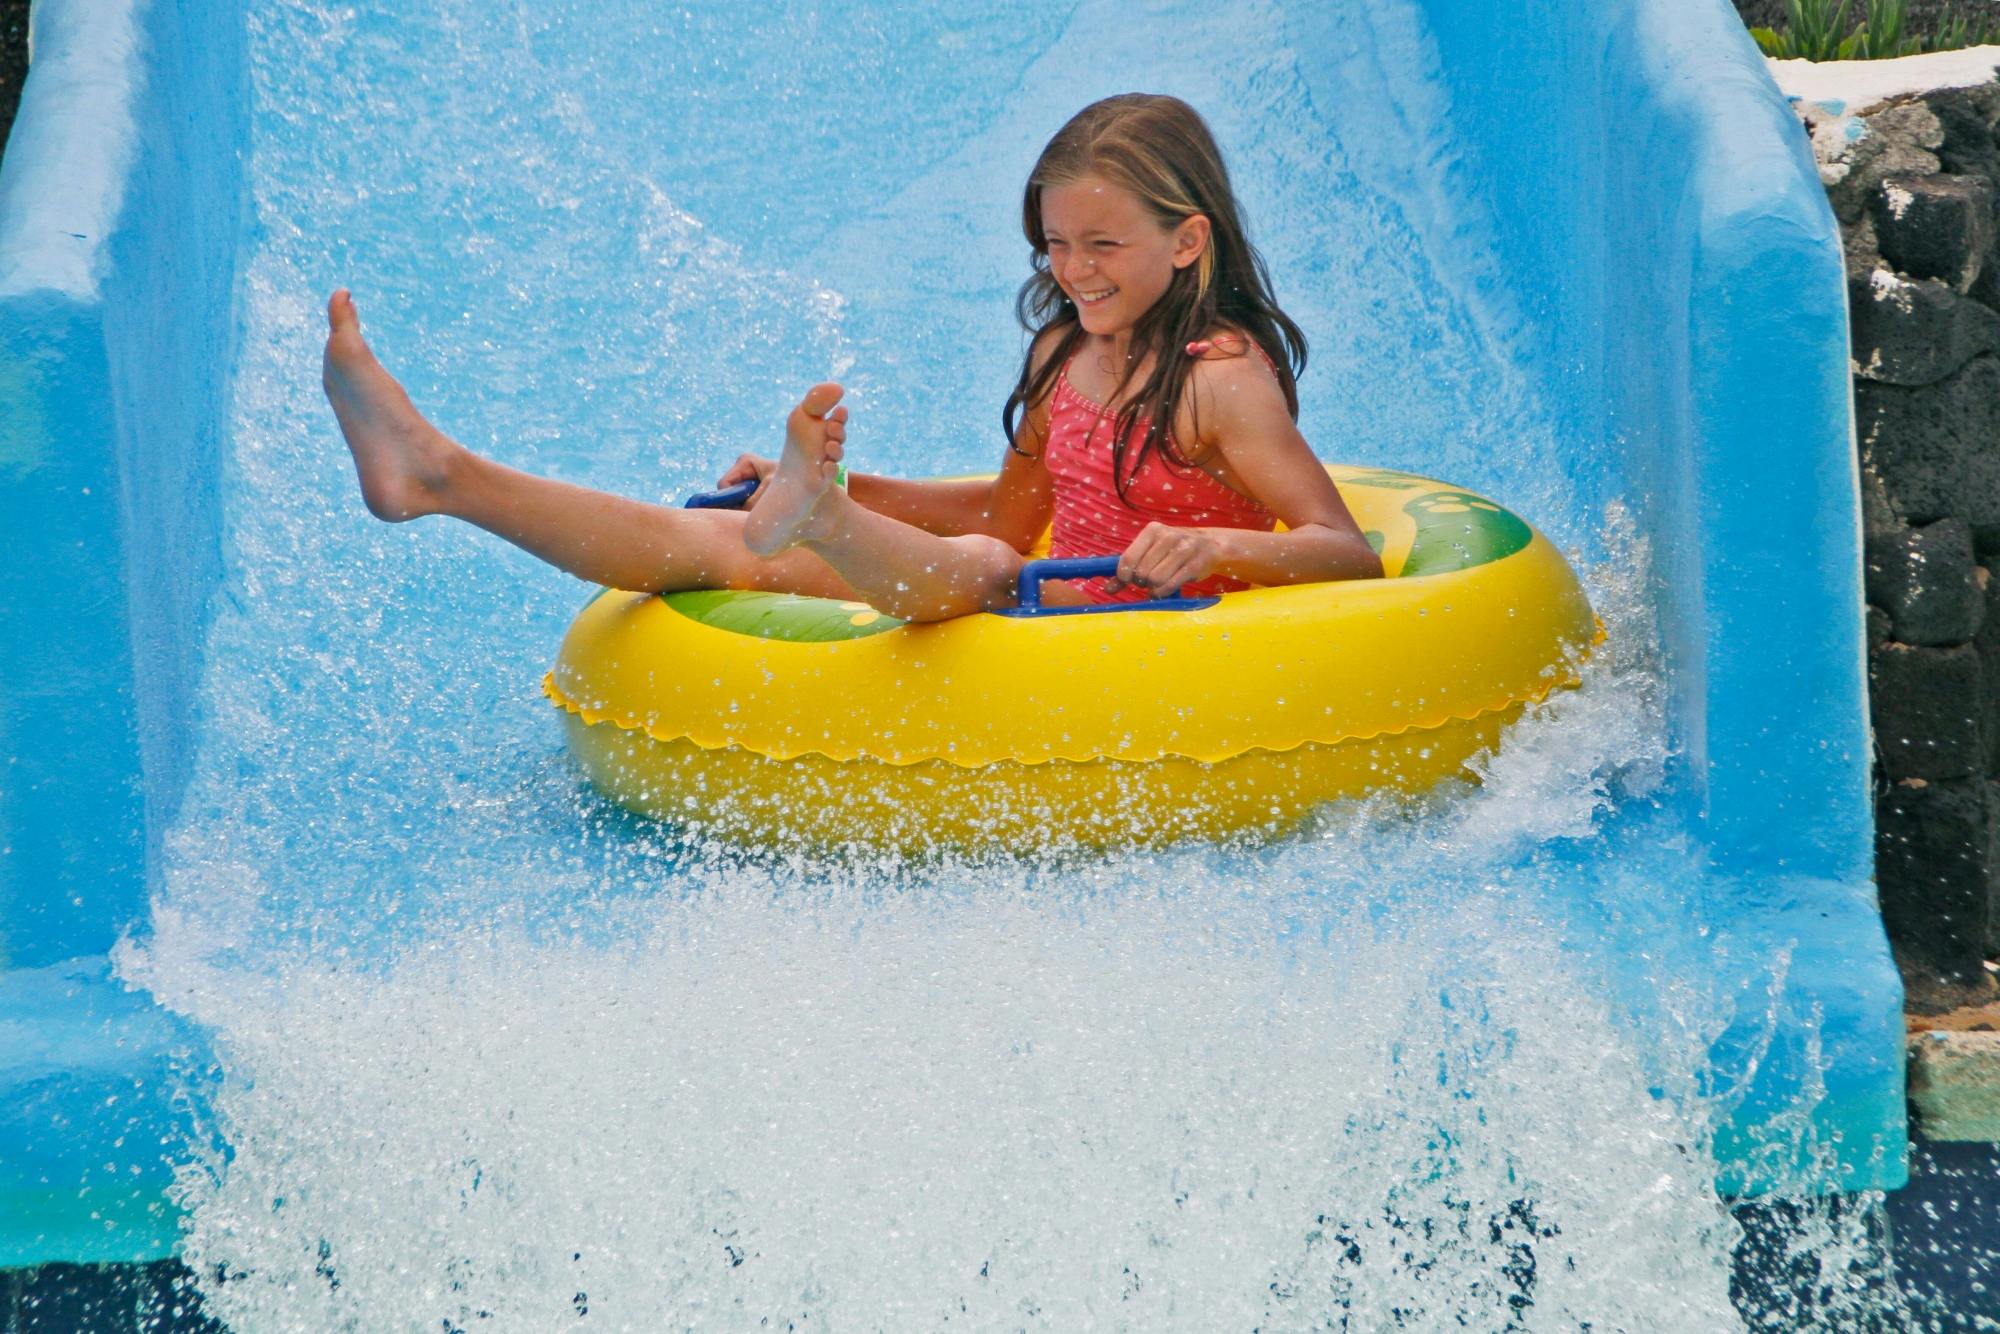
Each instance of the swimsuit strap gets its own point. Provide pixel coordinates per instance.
(1202, 346)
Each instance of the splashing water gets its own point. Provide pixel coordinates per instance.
(499, 1057)
(1195, 1090)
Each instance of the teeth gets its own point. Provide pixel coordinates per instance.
(1097, 296)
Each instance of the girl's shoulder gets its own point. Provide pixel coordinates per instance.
(1229, 359)
(1041, 385)
(1046, 344)
(1233, 385)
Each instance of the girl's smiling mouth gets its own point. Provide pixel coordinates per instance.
(1092, 298)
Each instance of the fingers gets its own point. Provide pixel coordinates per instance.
(1147, 559)
(1130, 558)
(1161, 559)
(1161, 579)
(746, 467)
(1168, 582)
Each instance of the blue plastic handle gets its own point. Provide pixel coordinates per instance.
(1074, 567)
(728, 498)
(1029, 589)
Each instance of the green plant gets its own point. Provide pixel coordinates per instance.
(1812, 32)
(1818, 30)
(1880, 36)
(1955, 32)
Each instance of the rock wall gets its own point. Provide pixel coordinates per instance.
(1915, 185)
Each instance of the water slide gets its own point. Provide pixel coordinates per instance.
(319, 967)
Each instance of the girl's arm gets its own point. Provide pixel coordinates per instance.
(1247, 429)
(1014, 506)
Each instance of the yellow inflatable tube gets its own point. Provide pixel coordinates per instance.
(803, 721)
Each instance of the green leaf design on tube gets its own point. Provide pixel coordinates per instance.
(781, 616)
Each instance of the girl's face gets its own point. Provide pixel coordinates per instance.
(1109, 252)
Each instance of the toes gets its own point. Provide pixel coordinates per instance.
(820, 399)
(341, 313)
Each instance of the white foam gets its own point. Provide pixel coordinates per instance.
(1187, 1090)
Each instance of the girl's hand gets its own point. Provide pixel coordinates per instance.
(1163, 557)
(746, 467)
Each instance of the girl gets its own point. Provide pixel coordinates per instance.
(1141, 424)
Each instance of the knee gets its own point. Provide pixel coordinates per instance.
(998, 568)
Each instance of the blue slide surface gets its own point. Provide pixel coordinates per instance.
(1613, 208)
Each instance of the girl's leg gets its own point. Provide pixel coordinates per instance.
(410, 468)
(891, 565)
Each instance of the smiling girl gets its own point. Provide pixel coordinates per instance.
(1153, 419)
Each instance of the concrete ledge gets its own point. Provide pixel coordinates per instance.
(1955, 1077)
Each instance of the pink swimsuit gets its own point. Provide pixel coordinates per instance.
(1091, 520)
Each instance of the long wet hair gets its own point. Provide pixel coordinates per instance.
(1159, 150)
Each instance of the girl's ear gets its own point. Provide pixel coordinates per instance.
(1190, 240)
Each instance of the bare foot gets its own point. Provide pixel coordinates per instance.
(402, 459)
(790, 510)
